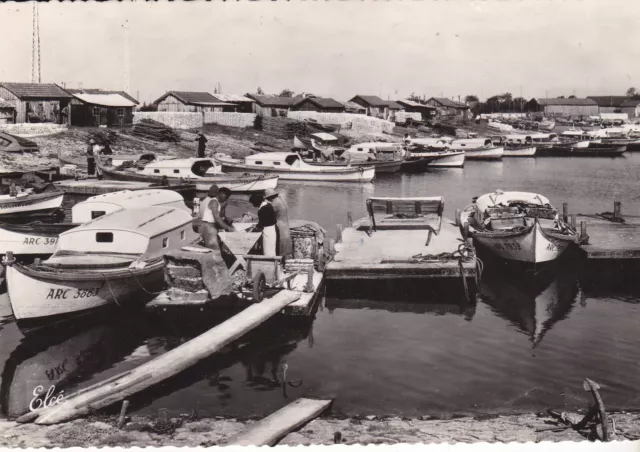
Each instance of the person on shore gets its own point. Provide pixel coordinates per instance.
(266, 224)
(202, 144)
(211, 213)
(91, 160)
(285, 246)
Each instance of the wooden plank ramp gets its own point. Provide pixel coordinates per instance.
(270, 430)
(171, 363)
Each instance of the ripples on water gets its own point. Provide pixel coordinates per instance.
(526, 345)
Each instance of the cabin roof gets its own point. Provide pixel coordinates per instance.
(323, 102)
(105, 100)
(271, 156)
(145, 221)
(178, 163)
(324, 136)
(232, 98)
(448, 103)
(275, 101)
(572, 102)
(189, 97)
(373, 101)
(134, 198)
(353, 106)
(609, 101)
(377, 144)
(631, 103)
(74, 91)
(36, 90)
(395, 106)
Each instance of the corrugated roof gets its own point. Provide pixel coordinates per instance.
(448, 102)
(395, 106)
(353, 106)
(414, 104)
(631, 103)
(232, 98)
(609, 101)
(105, 100)
(101, 91)
(570, 102)
(189, 97)
(373, 101)
(36, 90)
(274, 101)
(323, 102)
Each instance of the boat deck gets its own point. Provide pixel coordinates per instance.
(611, 240)
(388, 253)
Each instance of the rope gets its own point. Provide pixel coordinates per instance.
(111, 291)
(142, 287)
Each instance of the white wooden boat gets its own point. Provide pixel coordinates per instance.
(478, 149)
(290, 166)
(447, 159)
(80, 161)
(116, 258)
(519, 151)
(203, 172)
(434, 152)
(385, 157)
(26, 202)
(40, 239)
(518, 226)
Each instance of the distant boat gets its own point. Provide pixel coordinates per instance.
(28, 203)
(116, 159)
(511, 150)
(114, 259)
(12, 143)
(203, 172)
(478, 149)
(518, 226)
(291, 166)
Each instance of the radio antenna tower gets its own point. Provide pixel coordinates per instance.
(126, 57)
(35, 47)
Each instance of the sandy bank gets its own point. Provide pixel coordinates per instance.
(144, 431)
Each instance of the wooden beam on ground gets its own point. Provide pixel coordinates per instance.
(274, 427)
(167, 365)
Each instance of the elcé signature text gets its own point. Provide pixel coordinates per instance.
(49, 399)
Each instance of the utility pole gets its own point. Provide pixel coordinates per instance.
(126, 57)
(36, 72)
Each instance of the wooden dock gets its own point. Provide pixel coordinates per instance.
(398, 254)
(91, 187)
(611, 240)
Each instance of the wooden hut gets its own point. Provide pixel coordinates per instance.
(374, 106)
(94, 108)
(563, 107)
(267, 106)
(448, 107)
(320, 104)
(191, 101)
(242, 104)
(7, 112)
(35, 102)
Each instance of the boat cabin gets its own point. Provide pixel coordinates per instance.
(100, 205)
(275, 160)
(376, 151)
(544, 137)
(506, 210)
(146, 231)
(193, 168)
(120, 159)
(471, 143)
(324, 139)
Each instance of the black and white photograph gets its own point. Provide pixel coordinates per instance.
(304, 223)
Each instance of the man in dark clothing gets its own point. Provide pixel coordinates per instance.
(91, 160)
(266, 224)
(202, 140)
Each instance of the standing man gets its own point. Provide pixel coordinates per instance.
(211, 210)
(91, 160)
(266, 224)
(285, 246)
(202, 144)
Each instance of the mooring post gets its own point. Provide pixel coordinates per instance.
(565, 212)
(349, 219)
(572, 221)
(332, 246)
(457, 218)
(123, 414)
(339, 233)
(617, 210)
(309, 287)
(583, 229)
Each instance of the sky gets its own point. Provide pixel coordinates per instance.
(537, 48)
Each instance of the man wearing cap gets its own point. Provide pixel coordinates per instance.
(91, 161)
(285, 246)
(212, 216)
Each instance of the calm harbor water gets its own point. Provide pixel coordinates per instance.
(526, 345)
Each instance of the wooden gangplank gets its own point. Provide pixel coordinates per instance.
(167, 365)
(611, 240)
(268, 431)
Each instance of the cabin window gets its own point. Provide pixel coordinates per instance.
(104, 237)
(361, 149)
(165, 242)
(176, 171)
(276, 163)
(291, 159)
(96, 111)
(120, 112)
(97, 213)
(183, 235)
(156, 171)
(258, 162)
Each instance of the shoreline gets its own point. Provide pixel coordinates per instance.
(141, 431)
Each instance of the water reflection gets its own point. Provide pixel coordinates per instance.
(534, 303)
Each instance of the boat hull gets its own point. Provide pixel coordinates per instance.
(237, 184)
(31, 239)
(593, 150)
(533, 245)
(346, 174)
(453, 160)
(33, 203)
(529, 151)
(484, 154)
(37, 296)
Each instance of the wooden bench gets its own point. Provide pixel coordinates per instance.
(406, 213)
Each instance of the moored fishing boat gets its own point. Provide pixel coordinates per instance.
(116, 258)
(40, 239)
(519, 150)
(203, 172)
(291, 166)
(518, 226)
(434, 152)
(80, 162)
(478, 149)
(28, 203)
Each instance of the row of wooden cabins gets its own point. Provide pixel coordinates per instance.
(585, 107)
(268, 105)
(48, 102)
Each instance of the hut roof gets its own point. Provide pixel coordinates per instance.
(631, 103)
(232, 98)
(353, 106)
(190, 97)
(609, 101)
(36, 90)
(395, 106)
(323, 102)
(571, 102)
(449, 103)
(101, 91)
(373, 101)
(274, 101)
